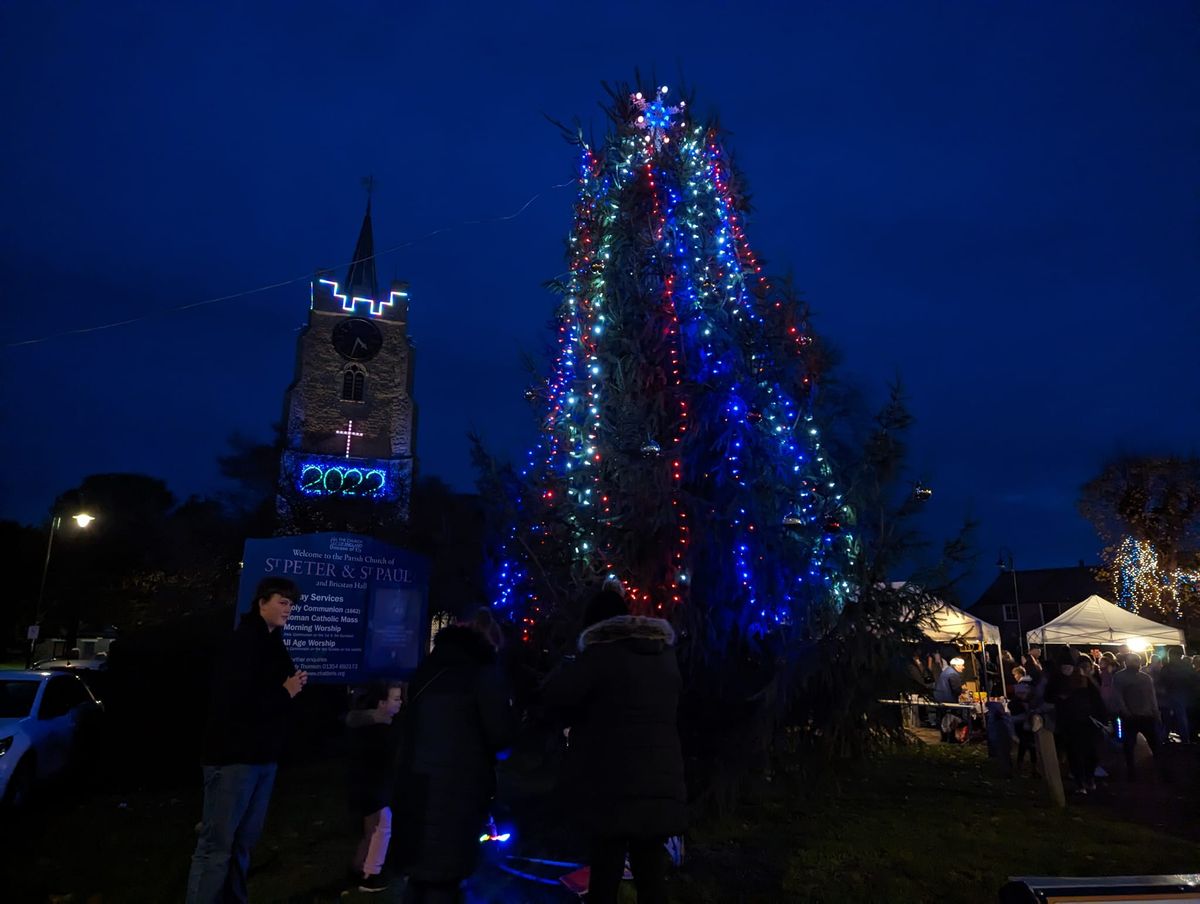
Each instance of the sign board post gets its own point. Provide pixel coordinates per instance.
(31, 634)
(361, 614)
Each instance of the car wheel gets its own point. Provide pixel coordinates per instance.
(20, 785)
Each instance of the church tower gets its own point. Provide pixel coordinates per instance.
(348, 458)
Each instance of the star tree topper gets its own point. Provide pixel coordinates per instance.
(654, 116)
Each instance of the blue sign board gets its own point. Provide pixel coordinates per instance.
(362, 608)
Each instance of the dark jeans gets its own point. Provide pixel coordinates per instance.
(1131, 727)
(1026, 745)
(1178, 718)
(1081, 752)
(647, 862)
(235, 806)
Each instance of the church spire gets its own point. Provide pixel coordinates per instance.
(361, 280)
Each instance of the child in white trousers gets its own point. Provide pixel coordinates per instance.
(371, 762)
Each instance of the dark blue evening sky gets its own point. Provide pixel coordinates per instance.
(996, 200)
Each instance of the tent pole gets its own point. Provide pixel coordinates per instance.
(1000, 665)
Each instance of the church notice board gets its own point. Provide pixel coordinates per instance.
(362, 606)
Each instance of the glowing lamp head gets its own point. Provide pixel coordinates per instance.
(1138, 644)
(83, 519)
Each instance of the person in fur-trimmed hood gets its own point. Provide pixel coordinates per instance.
(620, 697)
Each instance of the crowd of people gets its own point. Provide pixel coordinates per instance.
(1087, 697)
(423, 755)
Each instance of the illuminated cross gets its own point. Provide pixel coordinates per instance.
(348, 433)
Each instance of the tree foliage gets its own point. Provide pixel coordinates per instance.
(1146, 510)
(681, 450)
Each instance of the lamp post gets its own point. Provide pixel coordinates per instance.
(1004, 561)
(82, 519)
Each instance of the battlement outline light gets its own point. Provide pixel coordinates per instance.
(350, 303)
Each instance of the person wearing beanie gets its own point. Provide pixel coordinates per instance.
(620, 697)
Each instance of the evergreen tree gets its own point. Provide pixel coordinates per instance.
(678, 452)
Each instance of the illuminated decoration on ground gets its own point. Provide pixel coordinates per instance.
(349, 433)
(1142, 581)
(350, 304)
(316, 478)
(668, 326)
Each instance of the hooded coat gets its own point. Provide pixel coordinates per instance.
(249, 707)
(457, 720)
(620, 697)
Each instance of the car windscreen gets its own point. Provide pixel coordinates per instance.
(16, 698)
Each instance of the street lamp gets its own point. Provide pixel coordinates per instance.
(1005, 561)
(82, 519)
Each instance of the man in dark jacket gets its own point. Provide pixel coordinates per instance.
(458, 718)
(620, 697)
(253, 687)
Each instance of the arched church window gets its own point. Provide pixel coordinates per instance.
(354, 383)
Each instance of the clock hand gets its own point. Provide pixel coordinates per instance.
(358, 343)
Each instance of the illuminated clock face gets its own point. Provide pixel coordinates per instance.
(357, 339)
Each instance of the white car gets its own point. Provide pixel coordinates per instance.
(44, 718)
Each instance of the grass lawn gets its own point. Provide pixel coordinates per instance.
(929, 823)
(934, 823)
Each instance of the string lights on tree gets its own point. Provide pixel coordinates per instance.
(678, 452)
(1144, 581)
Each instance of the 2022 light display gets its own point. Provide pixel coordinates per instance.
(677, 429)
(317, 478)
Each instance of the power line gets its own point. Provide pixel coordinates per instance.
(287, 282)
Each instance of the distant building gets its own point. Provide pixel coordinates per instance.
(1044, 594)
(349, 451)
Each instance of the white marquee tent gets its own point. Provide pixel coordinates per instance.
(947, 624)
(1098, 621)
(950, 625)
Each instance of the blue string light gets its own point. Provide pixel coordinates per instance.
(711, 347)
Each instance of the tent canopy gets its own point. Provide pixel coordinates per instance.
(1098, 621)
(946, 624)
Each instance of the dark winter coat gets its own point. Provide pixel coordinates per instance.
(457, 720)
(371, 767)
(249, 707)
(620, 697)
(1179, 681)
(1076, 703)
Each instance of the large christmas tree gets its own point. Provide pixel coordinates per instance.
(678, 452)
